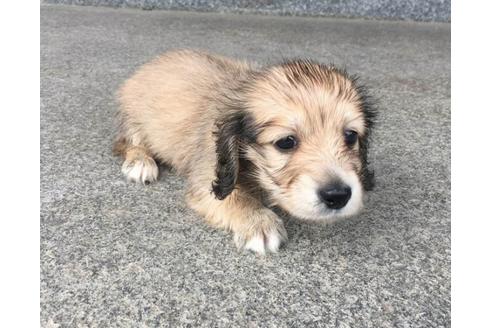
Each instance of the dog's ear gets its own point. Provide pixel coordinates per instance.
(367, 175)
(230, 137)
(368, 107)
(369, 116)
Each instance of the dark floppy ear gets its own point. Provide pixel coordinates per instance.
(367, 175)
(229, 136)
(368, 105)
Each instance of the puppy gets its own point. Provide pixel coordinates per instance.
(292, 136)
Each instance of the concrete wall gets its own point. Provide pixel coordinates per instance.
(419, 10)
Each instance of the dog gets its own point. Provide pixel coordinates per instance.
(249, 139)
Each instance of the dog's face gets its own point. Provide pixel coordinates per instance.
(302, 138)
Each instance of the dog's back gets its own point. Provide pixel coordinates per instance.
(169, 95)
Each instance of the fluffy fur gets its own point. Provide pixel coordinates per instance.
(217, 122)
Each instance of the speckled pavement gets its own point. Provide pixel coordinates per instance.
(115, 254)
(418, 10)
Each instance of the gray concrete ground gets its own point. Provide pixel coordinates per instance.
(124, 255)
(420, 10)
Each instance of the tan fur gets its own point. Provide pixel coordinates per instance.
(169, 111)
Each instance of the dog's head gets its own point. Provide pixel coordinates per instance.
(299, 131)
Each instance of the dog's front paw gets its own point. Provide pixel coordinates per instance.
(142, 169)
(265, 231)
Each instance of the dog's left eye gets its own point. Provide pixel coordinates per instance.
(350, 137)
(286, 143)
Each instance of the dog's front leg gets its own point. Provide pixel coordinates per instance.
(255, 227)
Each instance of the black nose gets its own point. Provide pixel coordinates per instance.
(335, 196)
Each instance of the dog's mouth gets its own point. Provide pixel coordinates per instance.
(324, 215)
(310, 206)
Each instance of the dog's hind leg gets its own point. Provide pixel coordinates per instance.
(138, 165)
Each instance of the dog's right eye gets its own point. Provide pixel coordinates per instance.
(286, 143)
(350, 137)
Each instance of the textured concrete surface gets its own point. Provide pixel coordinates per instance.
(420, 10)
(115, 254)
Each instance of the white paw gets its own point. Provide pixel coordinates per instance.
(261, 243)
(142, 169)
(267, 237)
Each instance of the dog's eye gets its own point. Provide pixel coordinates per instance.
(286, 143)
(350, 137)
